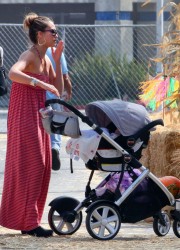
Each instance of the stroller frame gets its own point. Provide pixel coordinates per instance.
(69, 210)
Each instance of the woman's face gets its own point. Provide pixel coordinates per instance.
(49, 35)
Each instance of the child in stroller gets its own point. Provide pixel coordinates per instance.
(143, 197)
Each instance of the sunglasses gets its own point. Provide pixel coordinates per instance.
(53, 31)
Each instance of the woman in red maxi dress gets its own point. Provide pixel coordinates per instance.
(28, 157)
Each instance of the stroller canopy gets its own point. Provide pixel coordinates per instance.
(127, 117)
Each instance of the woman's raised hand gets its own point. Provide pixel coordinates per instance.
(57, 52)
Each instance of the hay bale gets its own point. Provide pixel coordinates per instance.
(162, 156)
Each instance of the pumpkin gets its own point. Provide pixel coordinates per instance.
(172, 184)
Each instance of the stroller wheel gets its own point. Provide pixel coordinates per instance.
(161, 225)
(176, 228)
(103, 221)
(64, 222)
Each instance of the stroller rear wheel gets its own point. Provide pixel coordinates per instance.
(162, 224)
(103, 221)
(176, 228)
(62, 219)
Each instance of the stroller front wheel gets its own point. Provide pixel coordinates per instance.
(64, 221)
(176, 228)
(161, 225)
(103, 221)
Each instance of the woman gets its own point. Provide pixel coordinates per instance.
(28, 157)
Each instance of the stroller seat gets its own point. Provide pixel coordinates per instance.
(108, 158)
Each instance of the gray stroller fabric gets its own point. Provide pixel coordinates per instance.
(127, 117)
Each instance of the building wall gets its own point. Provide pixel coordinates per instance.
(62, 13)
(128, 12)
(109, 11)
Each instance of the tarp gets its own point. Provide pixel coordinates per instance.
(127, 117)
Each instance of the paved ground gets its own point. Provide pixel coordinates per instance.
(131, 236)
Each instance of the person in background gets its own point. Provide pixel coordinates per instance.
(67, 94)
(1, 56)
(28, 157)
(3, 83)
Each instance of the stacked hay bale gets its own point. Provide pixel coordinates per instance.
(163, 153)
(162, 156)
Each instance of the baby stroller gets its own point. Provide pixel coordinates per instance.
(143, 198)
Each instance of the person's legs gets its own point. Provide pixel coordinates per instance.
(56, 141)
(55, 138)
(55, 147)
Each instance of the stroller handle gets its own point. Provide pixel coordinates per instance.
(148, 127)
(84, 118)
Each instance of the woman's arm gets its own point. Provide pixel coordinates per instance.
(17, 74)
(58, 79)
(67, 86)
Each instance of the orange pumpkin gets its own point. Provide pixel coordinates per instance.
(172, 184)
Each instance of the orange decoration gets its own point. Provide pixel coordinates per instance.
(172, 184)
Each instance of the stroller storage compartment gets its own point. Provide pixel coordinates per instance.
(145, 201)
(65, 123)
(60, 122)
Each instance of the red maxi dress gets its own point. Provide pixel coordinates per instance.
(28, 159)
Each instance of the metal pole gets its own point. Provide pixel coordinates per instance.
(114, 80)
(159, 29)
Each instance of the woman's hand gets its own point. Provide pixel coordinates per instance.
(57, 52)
(52, 89)
(49, 87)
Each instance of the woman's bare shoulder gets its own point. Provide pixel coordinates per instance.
(27, 55)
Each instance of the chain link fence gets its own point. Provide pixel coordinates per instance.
(104, 61)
